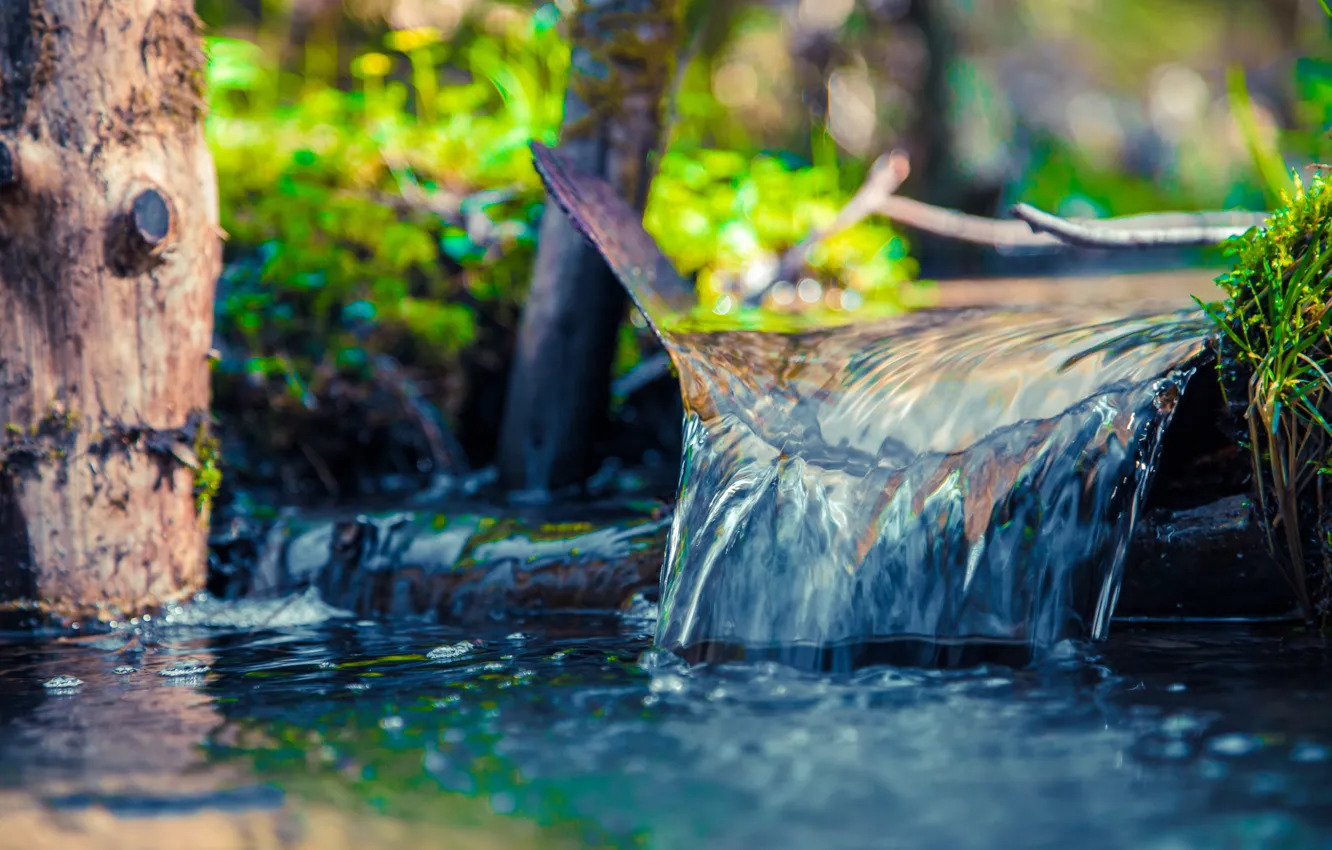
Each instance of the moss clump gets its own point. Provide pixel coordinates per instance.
(1276, 355)
(207, 473)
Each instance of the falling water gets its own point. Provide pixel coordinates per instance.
(934, 488)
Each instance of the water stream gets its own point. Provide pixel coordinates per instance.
(939, 487)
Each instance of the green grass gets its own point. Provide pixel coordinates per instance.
(1276, 349)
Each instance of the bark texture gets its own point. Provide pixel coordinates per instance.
(109, 252)
(623, 60)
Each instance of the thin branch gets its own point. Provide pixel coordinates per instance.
(940, 221)
(887, 173)
(1030, 228)
(650, 369)
(445, 452)
(1146, 231)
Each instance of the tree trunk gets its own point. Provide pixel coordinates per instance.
(109, 251)
(623, 61)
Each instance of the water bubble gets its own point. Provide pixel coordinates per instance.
(1308, 753)
(358, 686)
(391, 724)
(516, 636)
(1212, 769)
(62, 683)
(124, 670)
(667, 683)
(651, 700)
(492, 666)
(503, 803)
(327, 665)
(186, 669)
(524, 673)
(846, 735)
(1267, 784)
(1175, 750)
(454, 736)
(1180, 724)
(1234, 744)
(444, 653)
(1177, 688)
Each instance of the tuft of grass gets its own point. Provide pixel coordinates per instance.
(1276, 355)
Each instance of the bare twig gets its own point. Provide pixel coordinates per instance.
(1146, 231)
(1030, 227)
(445, 452)
(884, 177)
(649, 370)
(939, 221)
(321, 469)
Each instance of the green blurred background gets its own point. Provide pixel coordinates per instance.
(381, 207)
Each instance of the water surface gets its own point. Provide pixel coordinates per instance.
(573, 732)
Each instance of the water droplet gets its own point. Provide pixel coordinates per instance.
(62, 683)
(1234, 744)
(391, 724)
(124, 670)
(444, 653)
(189, 668)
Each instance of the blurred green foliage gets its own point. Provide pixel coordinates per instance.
(386, 216)
(357, 219)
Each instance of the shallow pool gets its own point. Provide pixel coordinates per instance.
(300, 728)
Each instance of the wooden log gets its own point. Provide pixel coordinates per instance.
(1206, 562)
(109, 251)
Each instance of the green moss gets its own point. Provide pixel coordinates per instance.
(1276, 355)
(207, 474)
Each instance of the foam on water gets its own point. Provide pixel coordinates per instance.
(208, 612)
(934, 484)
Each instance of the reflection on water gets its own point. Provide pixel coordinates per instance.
(575, 732)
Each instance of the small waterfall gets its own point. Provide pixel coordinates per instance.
(940, 487)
